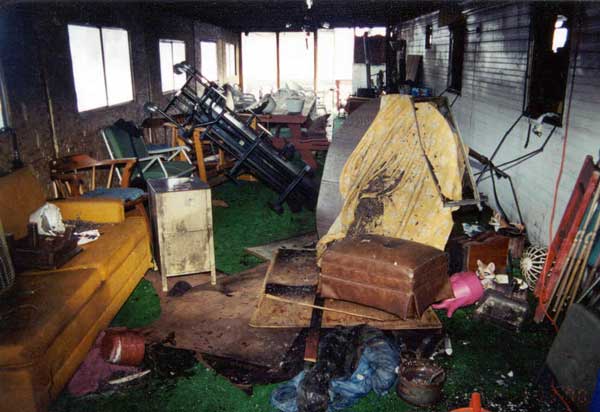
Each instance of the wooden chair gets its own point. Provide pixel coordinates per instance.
(211, 167)
(77, 175)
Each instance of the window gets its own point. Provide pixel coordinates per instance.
(230, 59)
(428, 36)
(296, 60)
(457, 51)
(259, 57)
(101, 66)
(549, 62)
(2, 121)
(3, 98)
(170, 53)
(335, 58)
(208, 60)
(372, 31)
(559, 37)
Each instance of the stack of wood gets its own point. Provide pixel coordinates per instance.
(571, 273)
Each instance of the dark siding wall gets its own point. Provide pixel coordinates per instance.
(25, 90)
(173, 28)
(494, 75)
(36, 59)
(435, 59)
(78, 132)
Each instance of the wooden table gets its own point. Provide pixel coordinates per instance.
(305, 145)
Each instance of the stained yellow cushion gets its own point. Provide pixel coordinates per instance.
(93, 210)
(38, 308)
(110, 250)
(20, 196)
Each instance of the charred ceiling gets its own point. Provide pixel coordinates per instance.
(268, 15)
(276, 15)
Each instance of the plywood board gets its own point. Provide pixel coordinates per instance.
(276, 314)
(413, 61)
(271, 312)
(342, 145)
(294, 267)
(216, 320)
(267, 252)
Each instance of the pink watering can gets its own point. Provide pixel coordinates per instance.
(467, 290)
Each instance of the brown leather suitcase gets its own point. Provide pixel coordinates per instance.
(395, 275)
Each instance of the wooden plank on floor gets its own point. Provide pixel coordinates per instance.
(267, 252)
(216, 321)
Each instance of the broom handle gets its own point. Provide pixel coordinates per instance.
(572, 279)
(567, 271)
(590, 238)
(308, 305)
(559, 288)
(581, 261)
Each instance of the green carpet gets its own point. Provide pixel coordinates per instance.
(248, 221)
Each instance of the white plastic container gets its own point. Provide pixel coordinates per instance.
(295, 105)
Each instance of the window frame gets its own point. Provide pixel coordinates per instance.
(252, 81)
(458, 31)
(428, 36)
(171, 42)
(535, 62)
(216, 43)
(129, 51)
(234, 72)
(4, 109)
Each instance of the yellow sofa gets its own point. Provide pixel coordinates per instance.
(50, 319)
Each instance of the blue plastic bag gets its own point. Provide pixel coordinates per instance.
(595, 406)
(376, 371)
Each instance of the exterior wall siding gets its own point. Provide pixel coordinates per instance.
(494, 81)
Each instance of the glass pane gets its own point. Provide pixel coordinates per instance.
(334, 66)
(165, 51)
(178, 57)
(259, 56)
(230, 59)
(208, 60)
(344, 53)
(325, 58)
(117, 64)
(296, 60)
(88, 74)
(373, 31)
(1, 114)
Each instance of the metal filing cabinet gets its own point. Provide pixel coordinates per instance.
(182, 218)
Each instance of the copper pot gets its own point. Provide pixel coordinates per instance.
(420, 382)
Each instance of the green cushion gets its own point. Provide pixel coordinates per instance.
(174, 168)
(124, 145)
